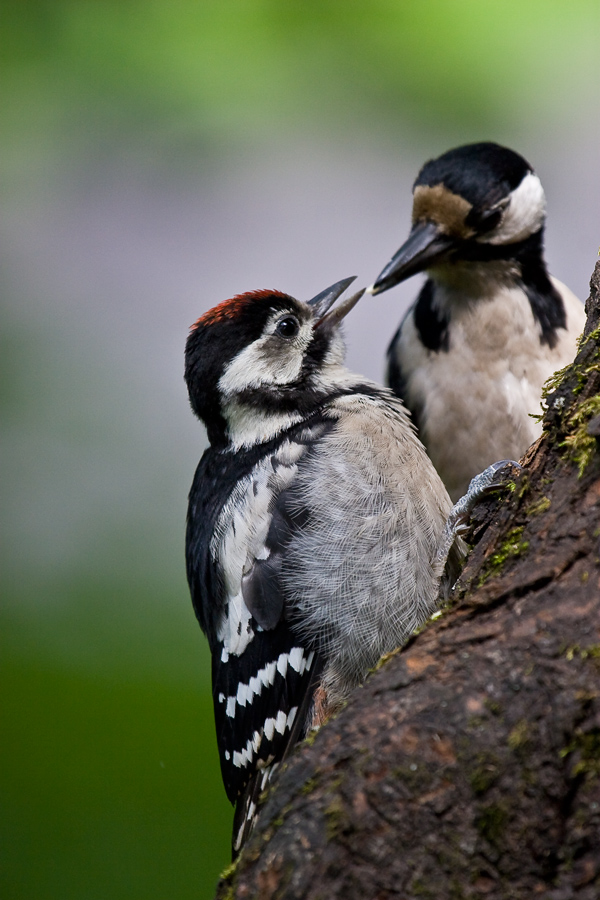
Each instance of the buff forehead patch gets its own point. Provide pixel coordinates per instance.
(438, 204)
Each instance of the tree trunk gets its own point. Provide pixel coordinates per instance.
(469, 764)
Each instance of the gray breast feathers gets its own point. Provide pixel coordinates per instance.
(358, 574)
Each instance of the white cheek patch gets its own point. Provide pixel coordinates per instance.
(524, 214)
(251, 369)
(259, 364)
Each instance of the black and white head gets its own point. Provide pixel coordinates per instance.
(261, 361)
(476, 203)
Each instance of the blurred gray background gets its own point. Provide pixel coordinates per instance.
(155, 159)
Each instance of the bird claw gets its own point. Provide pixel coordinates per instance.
(457, 522)
(484, 482)
(479, 486)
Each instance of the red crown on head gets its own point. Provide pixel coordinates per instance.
(230, 309)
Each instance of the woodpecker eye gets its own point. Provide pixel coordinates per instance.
(488, 219)
(288, 327)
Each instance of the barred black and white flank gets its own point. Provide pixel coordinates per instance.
(314, 517)
(490, 325)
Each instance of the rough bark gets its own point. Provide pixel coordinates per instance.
(469, 763)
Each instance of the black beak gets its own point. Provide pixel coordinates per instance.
(425, 246)
(323, 302)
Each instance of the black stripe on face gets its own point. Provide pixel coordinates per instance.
(546, 303)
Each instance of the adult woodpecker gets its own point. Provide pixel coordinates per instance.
(490, 325)
(314, 521)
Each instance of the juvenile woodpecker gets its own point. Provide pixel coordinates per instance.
(313, 524)
(489, 326)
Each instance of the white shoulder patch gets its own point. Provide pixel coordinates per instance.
(240, 537)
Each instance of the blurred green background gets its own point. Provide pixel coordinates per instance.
(156, 158)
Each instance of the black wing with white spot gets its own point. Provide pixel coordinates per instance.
(258, 696)
(238, 529)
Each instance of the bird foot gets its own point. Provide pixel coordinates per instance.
(458, 520)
